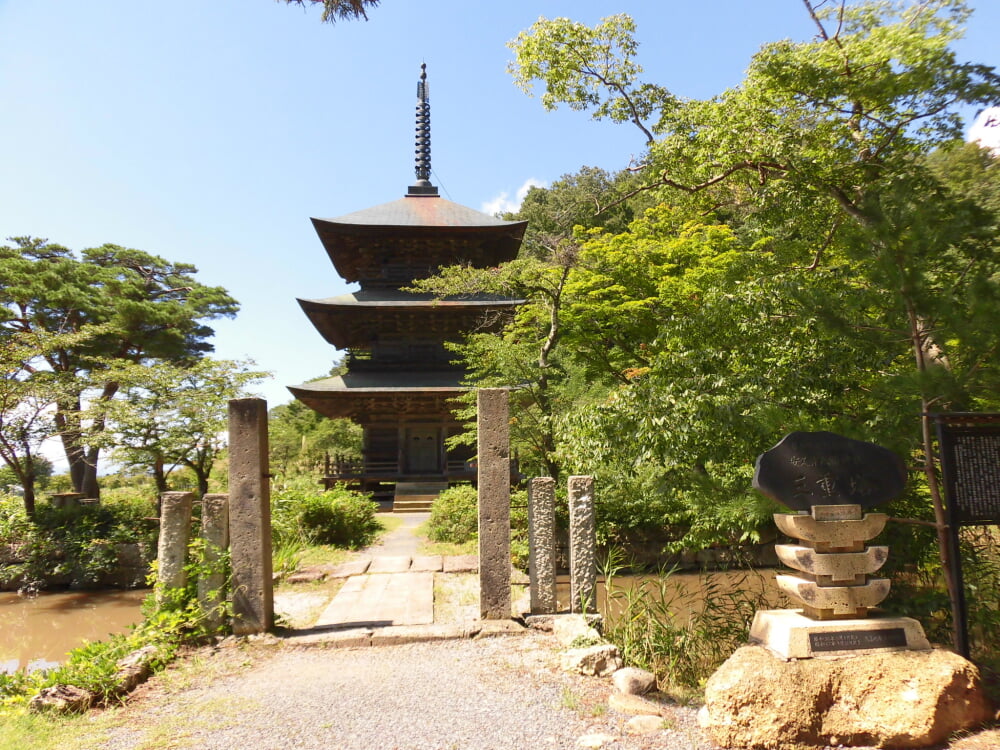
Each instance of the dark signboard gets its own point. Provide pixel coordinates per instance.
(970, 460)
(822, 468)
(969, 448)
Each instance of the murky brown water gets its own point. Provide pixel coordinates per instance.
(685, 592)
(39, 632)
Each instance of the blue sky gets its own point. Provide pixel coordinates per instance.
(210, 132)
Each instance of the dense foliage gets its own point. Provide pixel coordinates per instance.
(338, 516)
(300, 440)
(812, 249)
(454, 516)
(76, 547)
(67, 320)
(340, 10)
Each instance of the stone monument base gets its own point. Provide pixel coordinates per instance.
(898, 699)
(791, 635)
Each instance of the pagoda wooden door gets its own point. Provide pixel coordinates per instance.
(423, 450)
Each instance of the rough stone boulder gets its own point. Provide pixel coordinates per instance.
(62, 699)
(570, 628)
(633, 681)
(898, 699)
(633, 704)
(135, 669)
(597, 661)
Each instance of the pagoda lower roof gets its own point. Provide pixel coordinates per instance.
(385, 380)
(358, 395)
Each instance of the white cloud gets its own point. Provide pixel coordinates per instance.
(986, 129)
(503, 203)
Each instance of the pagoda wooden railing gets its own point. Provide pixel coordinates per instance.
(341, 468)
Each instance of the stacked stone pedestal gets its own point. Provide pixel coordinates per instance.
(833, 587)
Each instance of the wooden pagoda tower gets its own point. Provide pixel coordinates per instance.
(400, 383)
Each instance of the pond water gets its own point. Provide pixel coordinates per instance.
(39, 632)
(684, 592)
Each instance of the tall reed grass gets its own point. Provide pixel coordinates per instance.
(680, 633)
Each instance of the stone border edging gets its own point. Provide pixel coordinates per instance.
(397, 635)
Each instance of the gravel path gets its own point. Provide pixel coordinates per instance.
(499, 693)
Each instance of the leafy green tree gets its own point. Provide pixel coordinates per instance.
(823, 152)
(148, 308)
(589, 198)
(28, 396)
(300, 439)
(340, 10)
(170, 415)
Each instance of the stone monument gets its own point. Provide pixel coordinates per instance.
(835, 671)
(830, 481)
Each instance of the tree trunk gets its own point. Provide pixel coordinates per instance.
(202, 483)
(159, 476)
(920, 349)
(89, 486)
(28, 485)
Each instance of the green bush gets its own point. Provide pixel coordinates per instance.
(77, 545)
(337, 516)
(454, 516)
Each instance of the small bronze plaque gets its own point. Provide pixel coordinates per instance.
(857, 640)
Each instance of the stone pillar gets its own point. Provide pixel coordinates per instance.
(175, 531)
(582, 545)
(215, 532)
(494, 503)
(250, 517)
(542, 545)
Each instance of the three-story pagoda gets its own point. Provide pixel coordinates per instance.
(400, 381)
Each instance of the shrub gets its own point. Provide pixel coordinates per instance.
(77, 545)
(337, 516)
(454, 515)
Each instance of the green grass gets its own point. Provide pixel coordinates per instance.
(22, 729)
(323, 554)
(427, 547)
(390, 522)
(470, 547)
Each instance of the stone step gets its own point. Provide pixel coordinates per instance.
(413, 504)
(420, 488)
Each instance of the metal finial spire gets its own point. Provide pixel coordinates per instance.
(423, 142)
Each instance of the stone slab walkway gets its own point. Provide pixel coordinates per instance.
(387, 596)
(381, 600)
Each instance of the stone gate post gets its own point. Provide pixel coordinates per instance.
(542, 545)
(250, 517)
(215, 532)
(582, 545)
(494, 503)
(171, 553)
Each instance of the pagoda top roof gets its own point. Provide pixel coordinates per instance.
(394, 298)
(412, 211)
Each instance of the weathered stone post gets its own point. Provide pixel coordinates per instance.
(215, 532)
(582, 545)
(250, 517)
(494, 503)
(542, 545)
(175, 531)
